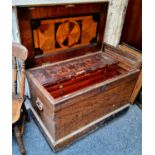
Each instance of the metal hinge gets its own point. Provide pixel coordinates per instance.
(46, 63)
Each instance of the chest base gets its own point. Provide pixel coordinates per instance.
(78, 134)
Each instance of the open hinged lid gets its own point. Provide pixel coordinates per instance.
(55, 33)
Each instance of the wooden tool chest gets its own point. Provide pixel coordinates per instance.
(76, 81)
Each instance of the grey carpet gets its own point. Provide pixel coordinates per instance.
(121, 136)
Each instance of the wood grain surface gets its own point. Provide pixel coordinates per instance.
(82, 82)
(91, 23)
(68, 113)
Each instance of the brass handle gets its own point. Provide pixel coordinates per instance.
(69, 6)
(39, 104)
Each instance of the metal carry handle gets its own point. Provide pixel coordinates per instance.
(39, 104)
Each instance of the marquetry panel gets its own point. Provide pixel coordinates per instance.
(51, 35)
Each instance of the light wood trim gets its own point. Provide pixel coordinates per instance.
(137, 88)
(19, 51)
(22, 80)
(16, 107)
(130, 50)
(14, 75)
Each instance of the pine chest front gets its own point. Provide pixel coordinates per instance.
(76, 81)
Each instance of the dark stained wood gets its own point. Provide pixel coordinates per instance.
(81, 112)
(66, 114)
(64, 55)
(132, 29)
(26, 15)
(76, 136)
(66, 77)
(82, 84)
(67, 70)
(102, 73)
(117, 86)
(139, 81)
(41, 95)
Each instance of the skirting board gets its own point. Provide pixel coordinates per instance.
(78, 134)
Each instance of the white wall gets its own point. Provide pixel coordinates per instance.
(115, 21)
